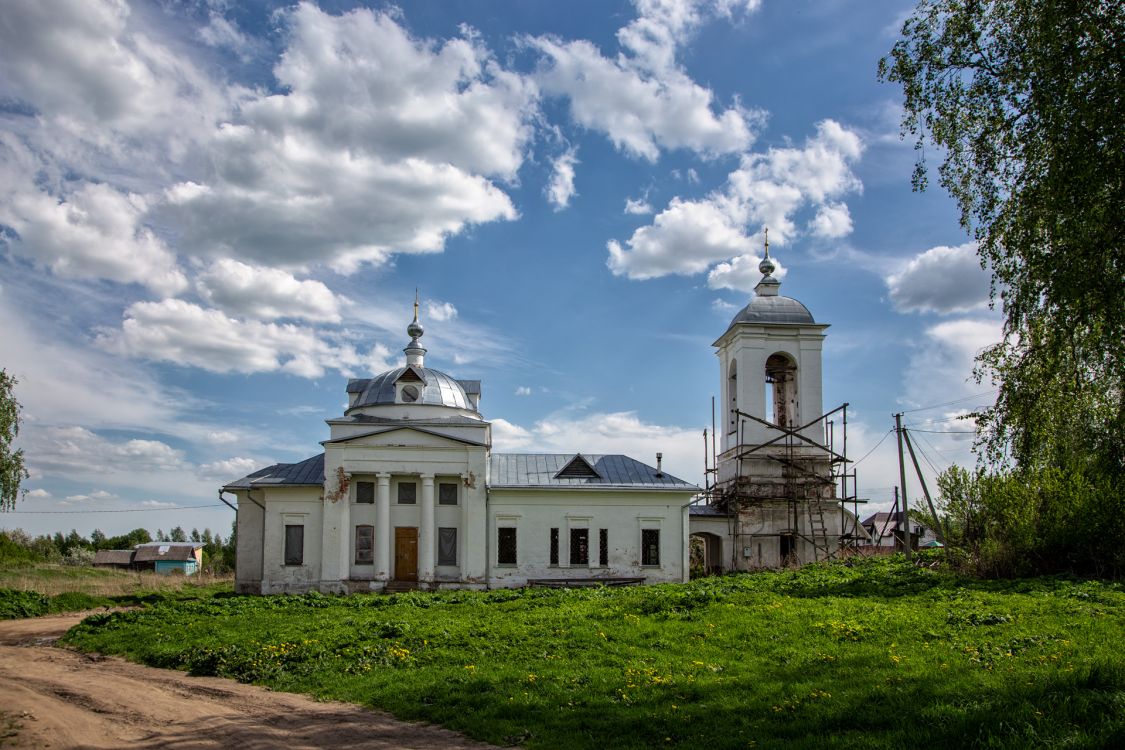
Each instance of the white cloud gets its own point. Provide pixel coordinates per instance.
(561, 187)
(638, 206)
(941, 279)
(741, 273)
(642, 99)
(685, 238)
(77, 450)
(440, 312)
(833, 220)
(224, 34)
(231, 469)
(94, 231)
(266, 293)
(615, 432)
(181, 332)
(767, 189)
(380, 143)
(38, 494)
(94, 73)
(940, 369)
(722, 306)
(156, 504)
(523, 390)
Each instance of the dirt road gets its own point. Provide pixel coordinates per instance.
(54, 698)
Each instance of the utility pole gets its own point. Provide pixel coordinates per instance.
(902, 480)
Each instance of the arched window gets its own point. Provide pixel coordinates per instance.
(781, 390)
(732, 397)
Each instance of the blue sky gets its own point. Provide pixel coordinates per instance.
(214, 213)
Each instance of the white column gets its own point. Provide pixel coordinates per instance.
(426, 551)
(463, 534)
(383, 531)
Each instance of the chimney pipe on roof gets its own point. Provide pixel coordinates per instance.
(659, 459)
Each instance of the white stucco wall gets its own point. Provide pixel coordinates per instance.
(533, 513)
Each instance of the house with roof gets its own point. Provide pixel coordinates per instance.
(409, 494)
(886, 529)
(161, 557)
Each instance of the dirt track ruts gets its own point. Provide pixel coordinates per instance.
(57, 698)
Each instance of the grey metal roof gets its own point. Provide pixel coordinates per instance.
(113, 557)
(439, 389)
(307, 472)
(472, 387)
(615, 470)
(164, 551)
(773, 309)
(705, 509)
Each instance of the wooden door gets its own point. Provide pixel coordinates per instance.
(406, 553)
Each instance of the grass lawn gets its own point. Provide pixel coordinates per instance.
(876, 654)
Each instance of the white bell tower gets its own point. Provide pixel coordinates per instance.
(775, 468)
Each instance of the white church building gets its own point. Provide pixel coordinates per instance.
(409, 494)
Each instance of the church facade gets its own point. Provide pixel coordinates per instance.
(408, 492)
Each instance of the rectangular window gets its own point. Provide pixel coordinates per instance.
(650, 546)
(407, 493)
(365, 492)
(579, 546)
(294, 544)
(447, 546)
(554, 546)
(364, 545)
(603, 547)
(447, 493)
(506, 546)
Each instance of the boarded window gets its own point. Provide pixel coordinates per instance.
(447, 493)
(554, 546)
(407, 493)
(506, 546)
(603, 547)
(579, 546)
(447, 546)
(650, 546)
(365, 492)
(294, 544)
(364, 545)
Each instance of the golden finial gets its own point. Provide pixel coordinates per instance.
(415, 304)
(767, 230)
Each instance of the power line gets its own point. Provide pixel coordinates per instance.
(951, 403)
(945, 432)
(865, 455)
(114, 510)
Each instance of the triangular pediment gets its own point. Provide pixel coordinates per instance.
(578, 468)
(411, 374)
(404, 435)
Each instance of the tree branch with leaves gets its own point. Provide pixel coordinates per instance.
(12, 470)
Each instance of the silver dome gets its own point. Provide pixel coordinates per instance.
(774, 309)
(439, 389)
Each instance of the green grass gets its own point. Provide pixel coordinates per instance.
(877, 654)
(51, 579)
(20, 603)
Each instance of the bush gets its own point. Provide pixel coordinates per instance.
(16, 604)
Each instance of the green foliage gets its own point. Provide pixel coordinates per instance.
(1024, 100)
(12, 471)
(1035, 520)
(18, 604)
(777, 659)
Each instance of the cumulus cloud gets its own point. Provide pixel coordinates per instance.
(642, 99)
(523, 390)
(231, 469)
(941, 279)
(767, 189)
(266, 293)
(73, 449)
(379, 143)
(614, 432)
(38, 494)
(637, 206)
(940, 368)
(94, 231)
(440, 312)
(92, 71)
(740, 273)
(561, 187)
(184, 333)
